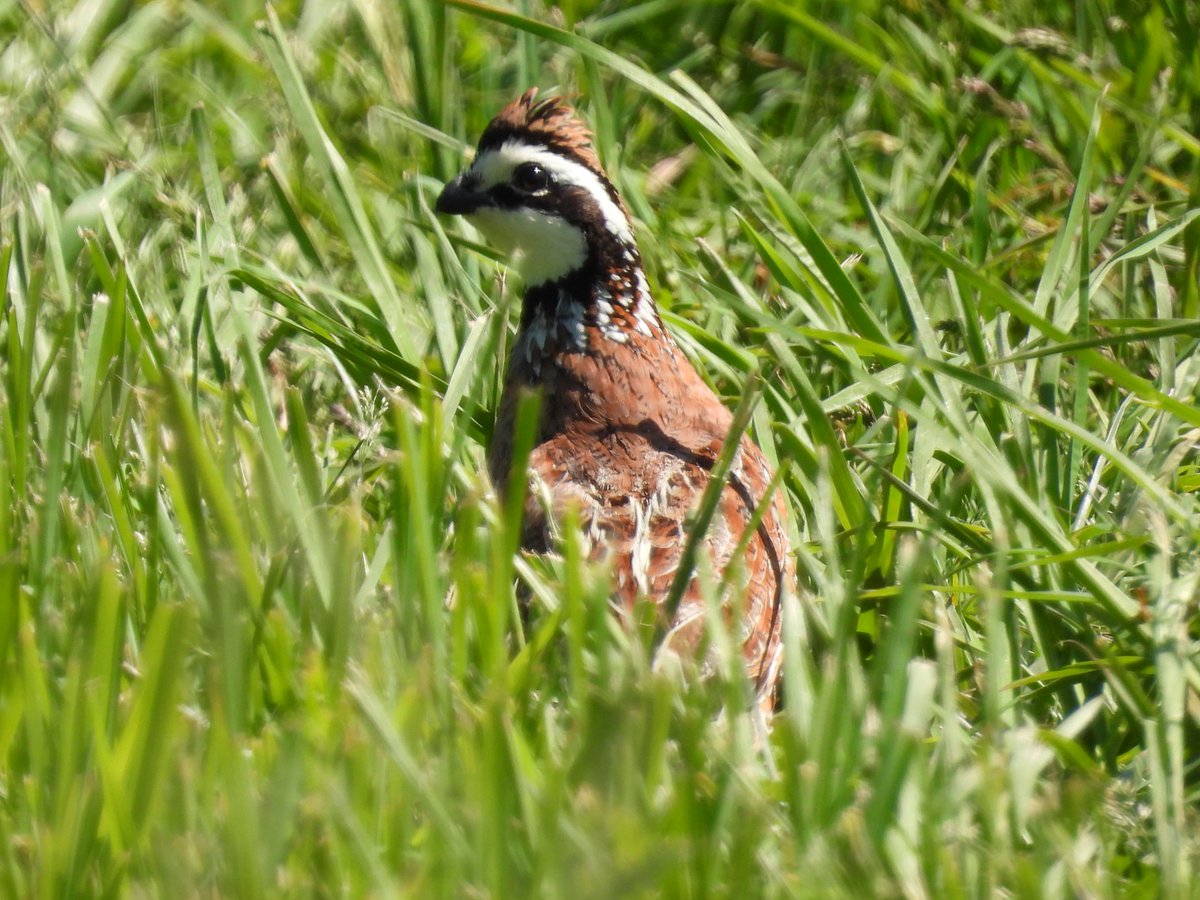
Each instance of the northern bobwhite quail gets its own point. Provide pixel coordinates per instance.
(629, 431)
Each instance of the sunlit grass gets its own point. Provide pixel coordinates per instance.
(263, 628)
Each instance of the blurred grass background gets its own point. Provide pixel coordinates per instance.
(246, 379)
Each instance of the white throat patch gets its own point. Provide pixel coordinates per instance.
(545, 247)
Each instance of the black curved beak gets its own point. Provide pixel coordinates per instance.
(459, 200)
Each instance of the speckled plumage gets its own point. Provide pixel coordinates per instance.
(629, 431)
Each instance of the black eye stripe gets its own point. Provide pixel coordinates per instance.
(568, 202)
(553, 203)
(495, 140)
(508, 197)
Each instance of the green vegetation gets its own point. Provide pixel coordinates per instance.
(260, 626)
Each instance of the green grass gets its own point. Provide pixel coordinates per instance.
(260, 627)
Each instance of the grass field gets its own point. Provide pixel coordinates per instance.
(260, 627)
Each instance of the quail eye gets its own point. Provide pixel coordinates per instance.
(531, 178)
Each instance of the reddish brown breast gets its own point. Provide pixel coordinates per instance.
(628, 435)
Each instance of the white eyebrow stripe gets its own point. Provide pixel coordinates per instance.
(494, 167)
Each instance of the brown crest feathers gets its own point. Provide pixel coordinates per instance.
(549, 122)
